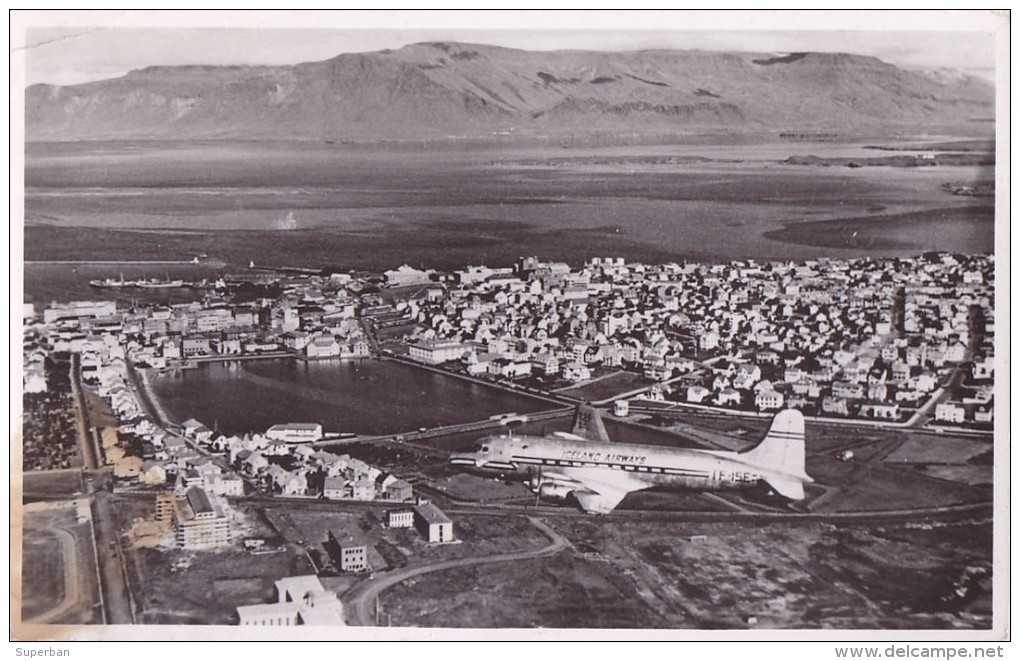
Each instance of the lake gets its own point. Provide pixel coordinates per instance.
(363, 397)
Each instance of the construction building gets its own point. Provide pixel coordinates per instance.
(200, 521)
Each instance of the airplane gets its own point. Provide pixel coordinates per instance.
(585, 464)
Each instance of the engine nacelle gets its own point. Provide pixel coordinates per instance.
(554, 491)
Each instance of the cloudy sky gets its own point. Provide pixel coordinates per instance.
(79, 47)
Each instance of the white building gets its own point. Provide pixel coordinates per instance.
(295, 432)
(435, 353)
(949, 412)
(769, 400)
(432, 523)
(301, 600)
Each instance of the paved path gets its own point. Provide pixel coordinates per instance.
(359, 600)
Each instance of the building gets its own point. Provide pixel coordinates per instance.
(432, 524)
(405, 275)
(78, 309)
(334, 487)
(349, 553)
(323, 346)
(403, 518)
(199, 522)
(769, 400)
(196, 346)
(950, 412)
(295, 432)
(435, 353)
(165, 506)
(301, 600)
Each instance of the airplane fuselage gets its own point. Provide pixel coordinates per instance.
(631, 466)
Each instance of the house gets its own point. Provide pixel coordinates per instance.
(769, 400)
(363, 489)
(984, 414)
(847, 390)
(983, 368)
(152, 474)
(295, 340)
(334, 488)
(574, 371)
(835, 406)
(728, 397)
(253, 463)
(393, 488)
(697, 394)
(950, 412)
(880, 410)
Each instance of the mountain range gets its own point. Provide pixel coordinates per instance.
(444, 89)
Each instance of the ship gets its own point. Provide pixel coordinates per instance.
(159, 284)
(109, 282)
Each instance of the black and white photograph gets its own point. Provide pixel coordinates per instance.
(436, 325)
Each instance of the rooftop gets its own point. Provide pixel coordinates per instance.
(199, 501)
(296, 426)
(431, 513)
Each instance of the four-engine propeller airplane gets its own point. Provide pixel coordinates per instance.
(599, 473)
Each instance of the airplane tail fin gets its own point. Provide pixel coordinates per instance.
(588, 424)
(781, 454)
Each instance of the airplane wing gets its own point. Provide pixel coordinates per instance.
(596, 491)
(588, 425)
(599, 503)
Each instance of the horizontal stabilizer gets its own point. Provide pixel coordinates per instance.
(791, 488)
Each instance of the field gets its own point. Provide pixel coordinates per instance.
(173, 586)
(42, 572)
(47, 484)
(938, 450)
(606, 387)
(58, 579)
(720, 576)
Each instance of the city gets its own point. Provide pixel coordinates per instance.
(668, 331)
(902, 343)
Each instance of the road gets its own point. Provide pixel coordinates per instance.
(86, 439)
(359, 600)
(113, 581)
(407, 438)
